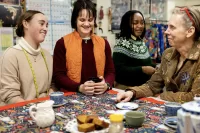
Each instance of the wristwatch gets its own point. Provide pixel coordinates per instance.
(108, 86)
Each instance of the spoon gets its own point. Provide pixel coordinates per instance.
(173, 122)
(62, 116)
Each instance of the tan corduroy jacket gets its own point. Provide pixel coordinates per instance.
(178, 86)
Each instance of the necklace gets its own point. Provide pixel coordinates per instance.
(33, 72)
(34, 57)
(86, 39)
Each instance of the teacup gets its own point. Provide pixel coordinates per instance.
(57, 97)
(171, 108)
(197, 98)
(134, 118)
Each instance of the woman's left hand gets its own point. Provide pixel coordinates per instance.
(100, 87)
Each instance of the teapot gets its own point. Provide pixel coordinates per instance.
(43, 113)
(189, 117)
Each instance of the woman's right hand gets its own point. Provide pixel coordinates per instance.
(148, 70)
(87, 88)
(124, 96)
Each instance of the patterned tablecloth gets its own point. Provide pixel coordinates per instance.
(80, 104)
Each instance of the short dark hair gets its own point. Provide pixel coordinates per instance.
(125, 26)
(28, 15)
(79, 5)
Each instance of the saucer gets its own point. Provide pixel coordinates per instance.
(57, 105)
(127, 105)
(169, 122)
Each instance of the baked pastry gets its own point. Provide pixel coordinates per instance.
(90, 118)
(88, 123)
(87, 127)
(100, 124)
(81, 119)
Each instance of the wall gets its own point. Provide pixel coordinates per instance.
(172, 3)
(170, 6)
(110, 36)
(107, 3)
(187, 2)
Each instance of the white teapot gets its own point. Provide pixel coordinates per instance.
(189, 117)
(44, 115)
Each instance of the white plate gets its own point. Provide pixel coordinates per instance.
(168, 120)
(127, 105)
(57, 105)
(72, 127)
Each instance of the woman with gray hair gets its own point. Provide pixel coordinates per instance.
(178, 78)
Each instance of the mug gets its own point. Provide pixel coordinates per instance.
(57, 97)
(171, 108)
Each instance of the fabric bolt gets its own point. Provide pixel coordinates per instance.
(156, 41)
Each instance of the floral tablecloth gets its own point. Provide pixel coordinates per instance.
(21, 121)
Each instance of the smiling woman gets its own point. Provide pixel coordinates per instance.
(26, 68)
(178, 78)
(131, 57)
(81, 55)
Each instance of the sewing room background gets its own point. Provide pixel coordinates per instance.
(109, 13)
(154, 12)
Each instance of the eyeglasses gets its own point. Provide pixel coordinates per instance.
(188, 14)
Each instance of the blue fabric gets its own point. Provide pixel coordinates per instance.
(156, 41)
(160, 38)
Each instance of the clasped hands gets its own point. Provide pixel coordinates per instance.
(92, 88)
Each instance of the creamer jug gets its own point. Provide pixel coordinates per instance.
(43, 113)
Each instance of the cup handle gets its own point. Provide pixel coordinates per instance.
(31, 112)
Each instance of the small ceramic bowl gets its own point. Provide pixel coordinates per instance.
(171, 108)
(134, 118)
(57, 97)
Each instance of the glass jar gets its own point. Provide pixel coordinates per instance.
(116, 123)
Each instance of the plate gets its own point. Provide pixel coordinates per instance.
(127, 105)
(72, 127)
(168, 120)
(57, 105)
